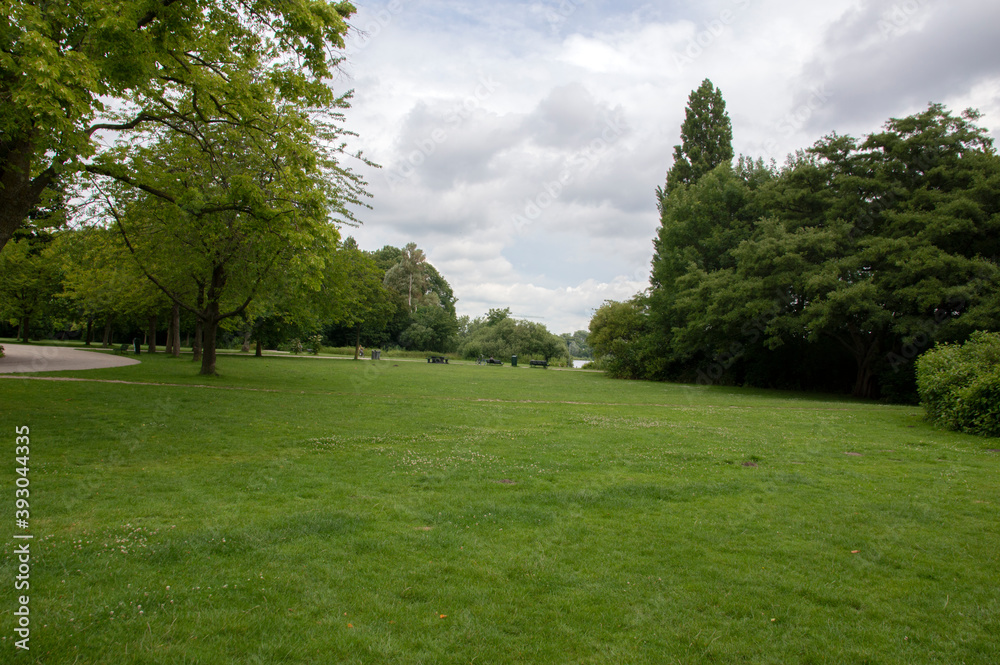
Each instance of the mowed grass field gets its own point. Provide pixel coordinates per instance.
(298, 510)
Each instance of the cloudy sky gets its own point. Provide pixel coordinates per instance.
(521, 142)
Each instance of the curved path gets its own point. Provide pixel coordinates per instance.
(30, 358)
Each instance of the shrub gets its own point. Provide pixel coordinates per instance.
(317, 344)
(959, 384)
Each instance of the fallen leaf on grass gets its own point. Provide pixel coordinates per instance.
(855, 551)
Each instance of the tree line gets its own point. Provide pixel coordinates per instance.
(831, 272)
(86, 282)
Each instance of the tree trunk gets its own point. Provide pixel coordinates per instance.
(864, 385)
(865, 348)
(19, 192)
(196, 346)
(151, 336)
(90, 331)
(211, 327)
(108, 327)
(25, 327)
(209, 332)
(199, 326)
(246, 340)
(175, 332)
(357, 343)
(170, 338)
(260, 350)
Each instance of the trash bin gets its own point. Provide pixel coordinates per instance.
(136, 345)
(376, 355)
(513, 361)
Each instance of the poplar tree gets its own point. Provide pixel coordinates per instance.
(706, 138)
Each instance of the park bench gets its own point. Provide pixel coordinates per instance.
(437, 359)
(123, 350)
(538, 363)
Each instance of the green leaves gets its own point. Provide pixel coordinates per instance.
(870, 243)
(165, 63)
(960, 384)
(706, 137)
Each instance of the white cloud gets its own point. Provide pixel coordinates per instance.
(491, 120)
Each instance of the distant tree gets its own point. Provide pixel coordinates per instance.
(103, 280)
(500, 336)
(30, 277)
(621, 340)
(409, 276)
(495, 316)
(433, 329)
(577, 344)
(353, 294)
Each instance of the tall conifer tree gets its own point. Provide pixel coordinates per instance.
(706, 138)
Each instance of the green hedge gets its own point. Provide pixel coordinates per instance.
(959, 384)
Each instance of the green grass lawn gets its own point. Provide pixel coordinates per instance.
(298, 510)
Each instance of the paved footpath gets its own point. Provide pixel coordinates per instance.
(29, 358)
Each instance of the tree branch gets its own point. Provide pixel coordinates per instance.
(152, 15)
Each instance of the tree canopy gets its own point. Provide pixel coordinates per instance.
(73, 71)
(857, 252)
(706, 138)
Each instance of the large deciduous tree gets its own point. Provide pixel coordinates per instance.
(230, 209)
(75, 70)
(353, 295)
(876, 245)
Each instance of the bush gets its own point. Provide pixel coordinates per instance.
(317, 344)
(959, 384)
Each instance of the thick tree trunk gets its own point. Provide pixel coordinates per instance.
(246, 340)
(90, 332)
(151, 335)
(25, 328)
(108, 327)
(260, 349)
(865, 347)
(211, 327)
(175, 332)
(199, 337)
(19, 192)
(209, 332)
(864, 385)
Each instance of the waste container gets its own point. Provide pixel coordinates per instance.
(376, 355)
(513, 361)
(136, 345)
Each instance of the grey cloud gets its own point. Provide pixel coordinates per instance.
(569, 118)
(896, 54)
(445, 144)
